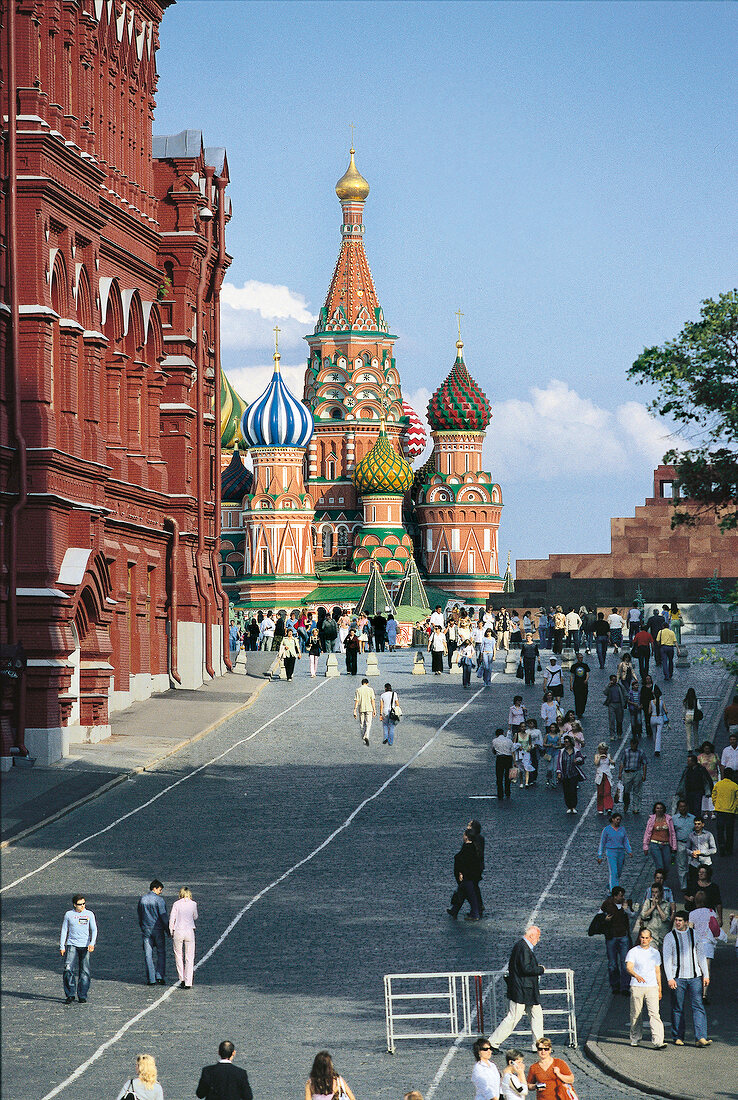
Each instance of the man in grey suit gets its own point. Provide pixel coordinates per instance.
(224, 1081)
(522, 989)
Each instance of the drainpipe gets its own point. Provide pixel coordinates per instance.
(199, 446)
(218, 274)
(20, 443)
(170, 522)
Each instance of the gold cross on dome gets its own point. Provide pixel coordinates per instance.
(459, 314)
(351, 124)
(277, 331)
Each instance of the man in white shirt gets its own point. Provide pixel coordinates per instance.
(615, 622)
(504, 750)
(266, 632)
(729, 755)
(573, 626)
(553, 679)
(687, 975)
(437, 618)
(643, 963)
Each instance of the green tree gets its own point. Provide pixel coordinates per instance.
(696, 376)
(713, 590)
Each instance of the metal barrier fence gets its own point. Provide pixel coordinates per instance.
(461, 1002)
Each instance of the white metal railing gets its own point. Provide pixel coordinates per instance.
(455, 1002)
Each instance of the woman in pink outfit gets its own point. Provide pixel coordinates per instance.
(182, 928)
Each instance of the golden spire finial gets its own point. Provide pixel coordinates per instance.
(352, 187)
(459, 343)
(277, 356)
(352, 137)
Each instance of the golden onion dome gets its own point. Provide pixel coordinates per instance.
(352, 187)
(383, 470)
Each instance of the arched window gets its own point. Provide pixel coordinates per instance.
(327, 542)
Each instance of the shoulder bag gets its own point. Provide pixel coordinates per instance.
(130, 1095)
(520, 672)
(395, 709)
(598, 924)
(565, 1092)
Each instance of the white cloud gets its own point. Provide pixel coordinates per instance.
(248, 314)
(557, 433)
(250, 382)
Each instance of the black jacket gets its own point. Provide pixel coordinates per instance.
(224, 1081)
(468, 863)
(523, 974)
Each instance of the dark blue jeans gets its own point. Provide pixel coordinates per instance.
(601, 647)
(76, 972)
(667, 661)
(617, 948)
(692, 988)
(155, 954)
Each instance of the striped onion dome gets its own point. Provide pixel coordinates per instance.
(413, 440)
(383, 470)
(235, 480)
(459, 404)
(277, 419)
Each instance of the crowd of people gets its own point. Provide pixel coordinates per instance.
(541, 743)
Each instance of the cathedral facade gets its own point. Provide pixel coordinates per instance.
(358, 501)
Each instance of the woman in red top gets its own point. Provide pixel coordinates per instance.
(548, 1073)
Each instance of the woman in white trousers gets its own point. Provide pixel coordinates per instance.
(182, 928)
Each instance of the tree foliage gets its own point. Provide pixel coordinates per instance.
(696, 376)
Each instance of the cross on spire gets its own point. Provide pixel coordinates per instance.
(459, 315)
(277, 331)
(352, 134)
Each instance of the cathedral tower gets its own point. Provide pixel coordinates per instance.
(351, 381)
(457, 504)
(278, 514)
(382, 478)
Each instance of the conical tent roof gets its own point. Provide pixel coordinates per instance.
(412, 590)
(375, 598)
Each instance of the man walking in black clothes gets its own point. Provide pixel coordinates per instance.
(224, 1081)
(579, 684)
(379, 623)
(522, 989)
(467, 872)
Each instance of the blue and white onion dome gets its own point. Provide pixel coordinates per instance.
(277, 419)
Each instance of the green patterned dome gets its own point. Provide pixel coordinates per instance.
(459, 405)
(383, 470)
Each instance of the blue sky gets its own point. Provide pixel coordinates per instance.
(563, 173)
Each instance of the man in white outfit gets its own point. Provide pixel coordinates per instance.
(643, 963)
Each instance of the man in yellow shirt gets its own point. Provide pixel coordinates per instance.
(725, 801)
(666, 639)
(365, 708)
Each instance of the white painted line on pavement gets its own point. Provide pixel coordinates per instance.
(257, 897)
(166, 790)
(456, 1045)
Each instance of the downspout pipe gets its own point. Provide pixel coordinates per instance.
(11, 213)
(200, 394)
(220, 269)
(173, 526)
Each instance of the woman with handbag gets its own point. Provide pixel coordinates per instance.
(324, 1083)
(389, 713)
(530, 656)
(551, 1077)
(437, 647)
(569, 772)
(659, 839)
(692, 717)
(144, 1086)
(466, 660)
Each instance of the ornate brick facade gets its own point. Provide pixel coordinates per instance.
(120, 257)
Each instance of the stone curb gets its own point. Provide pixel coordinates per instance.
(591, 1046)
(136, 771)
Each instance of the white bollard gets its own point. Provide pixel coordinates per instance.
(455, 669)
(419, 664)
(512, 661)
(331, 667)
(372, 668)
(682, 660)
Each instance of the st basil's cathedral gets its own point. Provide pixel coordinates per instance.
(333, 492)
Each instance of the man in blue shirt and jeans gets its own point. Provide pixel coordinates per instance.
(152, 917)
(77, 942)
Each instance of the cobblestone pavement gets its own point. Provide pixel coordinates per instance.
(318, 865)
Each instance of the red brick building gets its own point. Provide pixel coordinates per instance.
(670, 564)
(112, 261)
